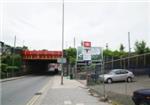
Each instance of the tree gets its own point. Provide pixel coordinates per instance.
(9, 59)
(25, 48)
(140, 47)
(108, 53)
(70, 55)
(121, 48)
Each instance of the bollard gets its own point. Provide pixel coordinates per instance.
(88, 80)
(71, 76)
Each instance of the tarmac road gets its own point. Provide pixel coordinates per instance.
(20, 91)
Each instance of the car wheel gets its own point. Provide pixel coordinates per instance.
(129, 79)
(143, 103)
(109, 80)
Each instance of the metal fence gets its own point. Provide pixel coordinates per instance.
(138, 64)
(121, 91)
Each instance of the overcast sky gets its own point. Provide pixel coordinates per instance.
(38, 25)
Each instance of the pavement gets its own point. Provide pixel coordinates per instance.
(71, 92)
(10, 79)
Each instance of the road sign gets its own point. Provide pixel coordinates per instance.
(87, 54)
(93, 53)
(96, 53)
(86, 44)
(61, 60)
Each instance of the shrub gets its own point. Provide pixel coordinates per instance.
(12, 68)
(14, 60)
(3, 67)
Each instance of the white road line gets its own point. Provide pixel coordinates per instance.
(80, 104)
(67, 102)
(36, 97)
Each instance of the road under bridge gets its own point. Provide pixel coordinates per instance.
(38, 61)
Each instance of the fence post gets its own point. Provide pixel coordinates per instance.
(144, 61)
(112, 64)
(121, 62)
(6, 74)
(128, 62)
(137, 61)
(124, 63)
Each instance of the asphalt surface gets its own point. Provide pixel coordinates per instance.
(20, 91)
(121, 91)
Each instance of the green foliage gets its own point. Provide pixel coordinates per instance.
(6, 59)
(17, 60)
(12, 60)
(25, 48)
(115, 103)
(121, 48)
(3, 67)
(147, 50)
(140, 47)
(70, 54)
(116, 53)
(12, 68)
(108, 53)
(92, 67)
(119, 54)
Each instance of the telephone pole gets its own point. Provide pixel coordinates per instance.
(129, 53)
(74, 42)
(129, 43)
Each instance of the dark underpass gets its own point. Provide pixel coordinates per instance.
(40, 67)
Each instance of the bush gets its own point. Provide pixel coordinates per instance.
(14, 60)
(3, 67)
(12, 68)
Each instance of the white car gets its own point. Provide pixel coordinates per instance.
(117, 75)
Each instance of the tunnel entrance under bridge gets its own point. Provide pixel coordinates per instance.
(39, 66)
(39, 62)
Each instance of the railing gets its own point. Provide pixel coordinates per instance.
(138, 63)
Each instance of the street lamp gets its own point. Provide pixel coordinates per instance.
(62, 41)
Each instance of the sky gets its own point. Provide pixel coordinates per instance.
(38, 23)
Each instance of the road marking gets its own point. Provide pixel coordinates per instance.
(80, 104)
(36, 97)
(67, 102)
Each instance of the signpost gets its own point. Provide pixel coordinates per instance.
(61, 60)
(90, 54)
(87, 54)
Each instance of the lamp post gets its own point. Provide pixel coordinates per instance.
(13, 54)
(62, 41)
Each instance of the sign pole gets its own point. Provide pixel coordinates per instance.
(103, 71)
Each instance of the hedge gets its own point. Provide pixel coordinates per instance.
(12, 68)
(3, 67)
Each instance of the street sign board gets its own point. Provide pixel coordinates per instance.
(61, 60)
(96, 53)
(86, 54)
(86, 44)
(80, 53)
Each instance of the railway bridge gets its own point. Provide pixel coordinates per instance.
(37, 61)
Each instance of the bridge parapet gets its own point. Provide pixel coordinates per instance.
(41, 55)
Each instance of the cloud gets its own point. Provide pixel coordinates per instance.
(39, 24)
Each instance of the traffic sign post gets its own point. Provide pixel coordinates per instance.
(61, 60)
